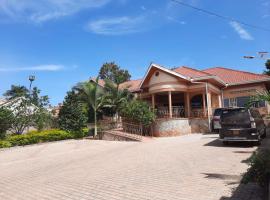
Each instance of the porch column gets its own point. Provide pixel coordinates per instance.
(204, 105)
(209, 103)
(170, 103)
(219, 101)
(187, 104)
(153, 101)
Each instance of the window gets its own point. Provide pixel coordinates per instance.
(226, 103)
(242, 102)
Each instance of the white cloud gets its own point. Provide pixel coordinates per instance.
(143, 7)
(244, 34)
(43, 10)
(117, 26)
(176, 20)
(51, 68)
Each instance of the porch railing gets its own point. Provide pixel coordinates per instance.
(136, 129)
(198, 113)
(177, 112)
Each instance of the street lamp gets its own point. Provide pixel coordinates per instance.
(261, 55)
(31, 79)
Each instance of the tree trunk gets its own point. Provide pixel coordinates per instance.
(95, 121)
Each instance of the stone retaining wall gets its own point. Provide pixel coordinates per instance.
(176, 127)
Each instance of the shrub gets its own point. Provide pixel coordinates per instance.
(72, 116)
(6, 117)
(259, 168)
(138, 112)
(37, 137)
(5, 144)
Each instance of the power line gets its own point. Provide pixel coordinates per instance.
(220, 16)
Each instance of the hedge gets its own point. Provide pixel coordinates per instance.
(34, 137)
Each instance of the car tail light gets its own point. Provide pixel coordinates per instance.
(252, 121)
(216, 121)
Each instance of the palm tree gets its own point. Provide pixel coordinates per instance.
(115, 98)
(260, 96)
(91, 94)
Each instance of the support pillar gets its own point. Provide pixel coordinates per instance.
(219, 101)
(170, 103)
(204, 105)
(187, 104)
(209, 103)
(153, 101)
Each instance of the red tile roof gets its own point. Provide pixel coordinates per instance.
(101, 82)
(132, 85)
(190, 72)
(232, 76)
(229, 76)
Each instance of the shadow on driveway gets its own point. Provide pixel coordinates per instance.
(218, 143)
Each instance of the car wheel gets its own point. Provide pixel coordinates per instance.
(264, 133)
(258, 143)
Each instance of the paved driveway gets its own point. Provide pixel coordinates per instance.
(188, 167)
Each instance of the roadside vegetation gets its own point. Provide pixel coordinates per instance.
(85, 105)
(259, 168)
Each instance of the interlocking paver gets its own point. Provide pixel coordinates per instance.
(189, 167)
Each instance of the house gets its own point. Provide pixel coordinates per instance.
(185, 98)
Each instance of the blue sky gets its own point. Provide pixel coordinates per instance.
(63, 42)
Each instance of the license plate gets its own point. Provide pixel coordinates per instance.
(236, 132)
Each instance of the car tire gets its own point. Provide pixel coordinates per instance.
(264, 133)
(258, 143)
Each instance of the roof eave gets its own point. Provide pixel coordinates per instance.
(247, 82)
(210, 77)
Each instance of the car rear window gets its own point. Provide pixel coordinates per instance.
(235, 116)
(217, 112)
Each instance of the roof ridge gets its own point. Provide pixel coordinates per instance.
(236, 71)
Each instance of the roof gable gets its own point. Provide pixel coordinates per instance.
(156, 66)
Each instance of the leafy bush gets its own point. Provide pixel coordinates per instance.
(138, 112)
(259, 168)
(72, 116)
(5, 144)
(6, 117)
(36, 137)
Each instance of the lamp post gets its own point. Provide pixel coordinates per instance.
(31, 79)
(261, 55)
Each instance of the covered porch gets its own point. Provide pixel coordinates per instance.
(184, 104)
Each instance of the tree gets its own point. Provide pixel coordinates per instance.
(24, 114)
(21, 91)
(37, 100)
(92, 95)
(115, 98)
(72, 115)
(26, 108)
(138, 112)
(260, 96)
(267, 65)
(114, 73)
(16, 91)
(43, 119)
(6, 118)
